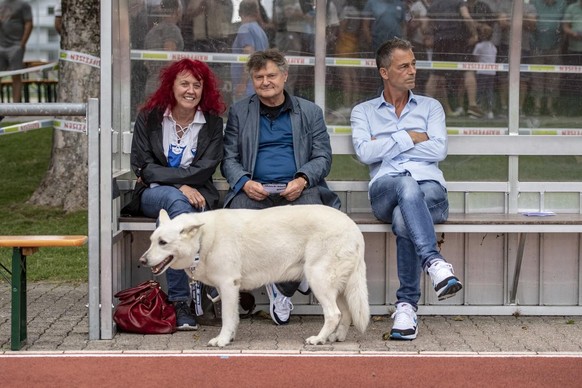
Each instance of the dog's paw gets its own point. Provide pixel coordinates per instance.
(315, 340)
(338, 336)
(219, 342)
(335, 337)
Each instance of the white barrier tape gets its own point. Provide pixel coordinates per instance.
(169, 56)
(492, 131)
(69, 125)
(551, 69)
(352, 62)
(81, 126)
(48, 66)
(560, 131)
(77, 57)
(522, 131)
(26, 126)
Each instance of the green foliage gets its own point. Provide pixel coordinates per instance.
(24, 158)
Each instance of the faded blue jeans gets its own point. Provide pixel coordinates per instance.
(413, 208)
(174, 202)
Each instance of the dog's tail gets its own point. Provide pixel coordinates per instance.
(356, 293)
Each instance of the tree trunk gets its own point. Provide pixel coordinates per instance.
(65, 183)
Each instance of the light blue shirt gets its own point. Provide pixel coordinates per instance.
(393, 152)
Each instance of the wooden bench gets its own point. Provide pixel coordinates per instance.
(469, 216)
(23, 246)
(456, 223)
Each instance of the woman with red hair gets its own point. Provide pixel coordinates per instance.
(177, 145)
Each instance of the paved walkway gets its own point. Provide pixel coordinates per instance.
(57, 321)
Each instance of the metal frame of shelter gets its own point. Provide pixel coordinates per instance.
(107, 162)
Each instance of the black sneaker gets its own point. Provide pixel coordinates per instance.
(184, 318)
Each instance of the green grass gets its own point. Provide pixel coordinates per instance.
(24, 158)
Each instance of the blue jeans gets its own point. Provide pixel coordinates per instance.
(413, 208)
(309, 196)
(174, 202)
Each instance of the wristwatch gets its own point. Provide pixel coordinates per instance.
(301, 175)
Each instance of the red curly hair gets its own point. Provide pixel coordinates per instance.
(211, 100)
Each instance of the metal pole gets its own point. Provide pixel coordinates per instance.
(105, 163)
(94, 217)
(320, 52)
(43, 109)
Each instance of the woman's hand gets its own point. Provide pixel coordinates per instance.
(194, 197)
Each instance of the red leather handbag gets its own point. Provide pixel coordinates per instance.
(145, 309)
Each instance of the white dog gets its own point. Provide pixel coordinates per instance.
(242, 249)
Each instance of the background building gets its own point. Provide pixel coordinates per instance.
(44, 42)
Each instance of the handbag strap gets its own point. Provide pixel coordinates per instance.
(139, 289)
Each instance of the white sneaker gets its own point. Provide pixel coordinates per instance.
(457, 112)
(280, 305)
(405, 324)
(445, 283)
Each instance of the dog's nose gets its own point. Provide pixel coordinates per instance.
(143, 260)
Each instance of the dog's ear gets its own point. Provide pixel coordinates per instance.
(191, 229)
(163, 217)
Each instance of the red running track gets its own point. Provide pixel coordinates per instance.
(279, 371)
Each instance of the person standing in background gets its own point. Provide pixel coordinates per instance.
(138, 27)
(15, 29)
(504, 10)
(292, 21)
(250, 38)
(164, 36)
(383, 20)
(417, 34)
(572, 26)
(347, 45)
(546, 50)
(452, 36)
(486, 52)
(211, 25)
(58, 19)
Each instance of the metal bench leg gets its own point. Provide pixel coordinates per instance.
(520, 248)
(18, 338)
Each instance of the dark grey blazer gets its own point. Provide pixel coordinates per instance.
(311, 145)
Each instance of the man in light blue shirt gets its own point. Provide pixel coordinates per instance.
(402, 137)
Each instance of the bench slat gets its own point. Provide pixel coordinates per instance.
(488, 219)
(42, 241)
(454, 219)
